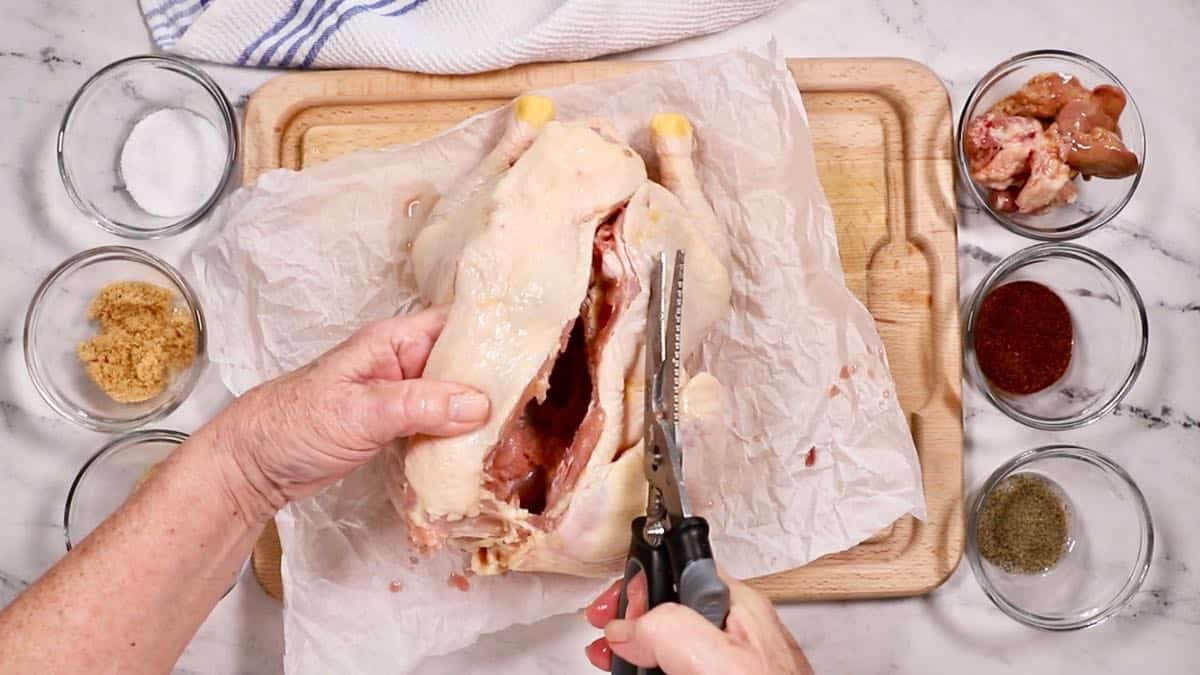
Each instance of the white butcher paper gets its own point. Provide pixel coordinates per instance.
(306, 257)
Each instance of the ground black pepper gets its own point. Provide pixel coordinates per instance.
(1023, 337)
(1022, 526)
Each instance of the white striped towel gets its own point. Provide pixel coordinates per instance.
(430, 36)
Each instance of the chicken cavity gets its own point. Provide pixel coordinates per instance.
(547, 442)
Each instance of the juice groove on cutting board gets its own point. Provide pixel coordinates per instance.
(881, 133)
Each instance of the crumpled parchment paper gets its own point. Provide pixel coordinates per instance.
(817, 452)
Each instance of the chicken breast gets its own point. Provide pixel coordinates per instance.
(543, 253)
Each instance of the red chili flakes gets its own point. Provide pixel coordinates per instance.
(844, 373)
(1023, 337)
(811, 457)
(396, 586)
(834, 391)
(459, 581)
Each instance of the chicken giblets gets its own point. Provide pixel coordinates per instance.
(1028, 146)
(543, 253)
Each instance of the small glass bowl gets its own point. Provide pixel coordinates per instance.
(111, 475)
(57, 322)
(1109, 327)
(1100, 199)
(99, 120)
(1110, 540)
(108, 478)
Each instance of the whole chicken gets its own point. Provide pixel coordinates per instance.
(543, 253)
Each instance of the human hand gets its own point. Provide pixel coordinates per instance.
(288, 438)
(682, 642)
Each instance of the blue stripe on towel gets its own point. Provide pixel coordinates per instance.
(167, 33)
(169, 21)
(283, 21)
(346, 16)
(407, 8)
(265, 59)
(161, 9)
(333, 10)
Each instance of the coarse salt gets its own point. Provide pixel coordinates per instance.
(172, 162)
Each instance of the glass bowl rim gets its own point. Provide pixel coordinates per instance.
(1018, 260)
(980, 199)
(1096, 460)
(48, 391)
(118, 444)
(229, 117)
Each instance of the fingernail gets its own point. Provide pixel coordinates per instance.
(469, 407)
(619, 630)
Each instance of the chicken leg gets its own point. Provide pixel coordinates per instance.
(460, 214)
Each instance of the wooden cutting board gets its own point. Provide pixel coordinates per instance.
(881, 132)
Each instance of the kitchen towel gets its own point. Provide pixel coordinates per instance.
(429, 36)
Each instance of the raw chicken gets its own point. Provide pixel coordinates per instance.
(1021, 164)
(1100, 152)
(1111, 101)
(543, 252)
(1028, 147)
(1092, 138)
(998, 148)
(1049, 174)
(1042, 96)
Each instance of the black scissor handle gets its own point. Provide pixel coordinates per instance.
(693, 566)
(653, 561)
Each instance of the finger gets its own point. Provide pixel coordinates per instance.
(412, 337)
(599, 654)
(741, 594)
(637, 599)
(395, 348)
(750, 602)
(676, 639)
(424, 407)
(753, 620)
(604, 608)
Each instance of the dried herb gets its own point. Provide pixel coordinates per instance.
(1023, 337)
(1023, 525)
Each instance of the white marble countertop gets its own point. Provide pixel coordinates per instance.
(48, 48)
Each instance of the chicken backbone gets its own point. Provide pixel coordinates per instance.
(543, 253)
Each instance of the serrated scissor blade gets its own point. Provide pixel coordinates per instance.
(672, 339)
(663, 458)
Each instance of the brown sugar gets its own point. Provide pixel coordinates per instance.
(143, 340)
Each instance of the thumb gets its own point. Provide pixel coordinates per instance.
(675, 639)
(419, 406)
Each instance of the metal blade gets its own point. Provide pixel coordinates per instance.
(656, 348)
(666, 502)
(675, 497)
(673, 358)
(653, 439)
